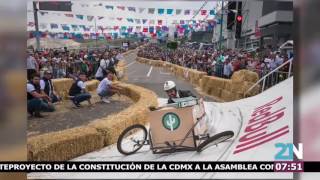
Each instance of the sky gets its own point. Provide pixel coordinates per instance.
(54, 17)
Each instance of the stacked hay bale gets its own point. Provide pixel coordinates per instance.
(230, 89)
(64, 145)
(212, 85)
(62, 86)
(241, 81)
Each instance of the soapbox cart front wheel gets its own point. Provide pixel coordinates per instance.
(216, 139)
(132, 139)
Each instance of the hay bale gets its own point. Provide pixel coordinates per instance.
(228, 85)
(251, 76)
(215, 92)
(237, 87)
(238, 76)
(62, 86)
(216, 82)
(64, 145)
(92, 85)
(252, 92)
(245, 75)
(227, 95)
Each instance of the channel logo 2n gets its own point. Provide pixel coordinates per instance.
(171, 121)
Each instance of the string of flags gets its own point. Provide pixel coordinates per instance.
(160, 11)
(155, 27)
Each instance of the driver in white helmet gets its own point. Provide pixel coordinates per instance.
(171, 90)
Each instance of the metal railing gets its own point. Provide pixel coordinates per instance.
(272, 78)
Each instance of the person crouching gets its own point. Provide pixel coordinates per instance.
(106, 89)
(78, 91)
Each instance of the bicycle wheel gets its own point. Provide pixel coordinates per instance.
(216, 139)
(132, 139)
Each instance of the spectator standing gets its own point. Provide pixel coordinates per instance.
(227, 69)
(32, 66)
(103, 68)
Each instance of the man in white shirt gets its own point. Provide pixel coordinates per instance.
(103, 68)
(106, 89)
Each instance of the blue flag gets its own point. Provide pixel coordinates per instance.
(65, 27)
(212, 12)
(169, 11)
(109, 7)
(160, 11)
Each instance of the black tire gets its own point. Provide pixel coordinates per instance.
(216, 139)
(124, 134)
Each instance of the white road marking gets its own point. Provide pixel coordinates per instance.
(150, 70)
(130, 63)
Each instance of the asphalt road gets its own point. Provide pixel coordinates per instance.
(153, 78)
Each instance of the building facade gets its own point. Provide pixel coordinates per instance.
(265, 24)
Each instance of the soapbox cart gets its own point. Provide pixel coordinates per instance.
(180, 126)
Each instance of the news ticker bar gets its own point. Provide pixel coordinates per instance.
(151, 166)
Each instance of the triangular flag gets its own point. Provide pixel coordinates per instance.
(144, 21)
(151, 22)
(74, 27)
(54, 26)
(68, 15)
(31, 24)
(121, 8)
(119, 18)
(109, 7)
(79, 16)
(141, 10)
(90, 18)
(65, 27)
(169, 11)
(159, 22)
(145, 29)
(132, 9)
(137, 21)
(160, 11)
(187, 12)
(151, 10)
(212, 12)
(203, 12)
(100, 17)
(130, 20)
(178, 11)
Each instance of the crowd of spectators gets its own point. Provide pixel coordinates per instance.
(80, 65)
(217, 63)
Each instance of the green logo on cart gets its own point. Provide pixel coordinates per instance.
(171, 121)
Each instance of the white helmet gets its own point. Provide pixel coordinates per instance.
(169, 85)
